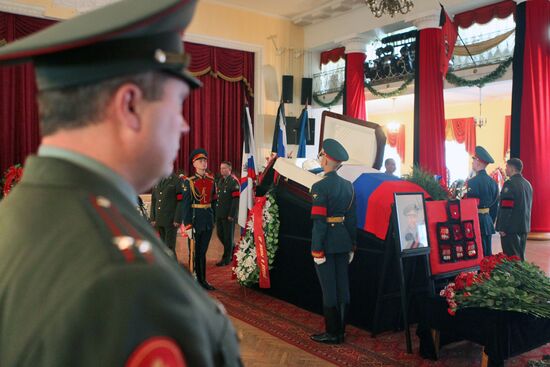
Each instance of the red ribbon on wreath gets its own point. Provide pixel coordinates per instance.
(11, 178)
(259, 239)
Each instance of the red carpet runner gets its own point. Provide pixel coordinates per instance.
(294, 325)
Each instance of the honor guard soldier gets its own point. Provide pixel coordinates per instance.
(227, 192)
(198, 192)
(333, 239)
(84, 280)
(485, 189)
(166, 209)
(514, 214)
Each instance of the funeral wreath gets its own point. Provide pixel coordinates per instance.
(247, 270)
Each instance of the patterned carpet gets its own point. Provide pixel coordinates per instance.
(294, 325)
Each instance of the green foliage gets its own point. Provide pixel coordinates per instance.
(394, 93)
(427, 181)
(489, 78)
(334, 101)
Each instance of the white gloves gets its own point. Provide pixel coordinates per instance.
(319, 260)
(351, 253)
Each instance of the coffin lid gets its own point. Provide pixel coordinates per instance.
(365, 141)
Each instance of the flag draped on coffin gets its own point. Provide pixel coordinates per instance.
(304, 120)
(248, 170)
(279, 133)
(374, 197)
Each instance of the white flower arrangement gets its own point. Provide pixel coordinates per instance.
(247, 270)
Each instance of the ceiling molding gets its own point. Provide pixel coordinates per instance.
(22, 9)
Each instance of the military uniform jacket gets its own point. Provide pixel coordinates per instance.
(333, 196)
(227, 192)
(485, 189)
(198, 192)
(516, 199)
(166, 199)
(74, 292)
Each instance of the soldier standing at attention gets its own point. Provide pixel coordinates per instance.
(333, 240)
(198, 192)
(227, 190)
(514, 215)
(84, 280)
(166, 209)
(485, 189)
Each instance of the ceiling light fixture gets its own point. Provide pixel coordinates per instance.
(391, 7)
(480, 120)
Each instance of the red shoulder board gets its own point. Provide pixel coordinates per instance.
(157, 351)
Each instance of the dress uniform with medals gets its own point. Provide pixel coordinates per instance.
(198, 192)
(333, 239)
(514, 214)
(84, 280)
(227, 192)
(485, 189)
(166, 209)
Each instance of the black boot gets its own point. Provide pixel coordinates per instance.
(343, 313)
(201, 274)
(332, 325)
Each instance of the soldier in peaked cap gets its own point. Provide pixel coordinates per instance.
(333, 239)
(111, 86)
(485, 189)
(198, 217)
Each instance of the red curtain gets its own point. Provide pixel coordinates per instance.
(485, 14)
(535, 110)
(464, 130)
(396, 139)
(355, 86)
(214, 112)
(19, 126)
(429, 107)
(332, 55)
(507, 127)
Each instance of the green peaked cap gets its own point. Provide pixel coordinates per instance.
(335, 150)
(127, 37)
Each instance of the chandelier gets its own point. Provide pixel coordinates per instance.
(391, 7)
(480, 120)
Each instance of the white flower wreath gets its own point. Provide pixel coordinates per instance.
(247, 270)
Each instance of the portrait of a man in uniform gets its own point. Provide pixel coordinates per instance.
(411, 221)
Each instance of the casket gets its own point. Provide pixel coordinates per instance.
(293, 277)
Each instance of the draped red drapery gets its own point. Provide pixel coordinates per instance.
(535, 110)
(464, 131)
(19, 126)
(507, 128)
(355, 86)
(429, 108)
(332, 55)
(396, 139)
(214, 112)
(485, 14)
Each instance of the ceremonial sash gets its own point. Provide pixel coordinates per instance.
(259, 239)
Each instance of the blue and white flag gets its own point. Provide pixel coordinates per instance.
(279, 133)
(304, 121)
(248, 169)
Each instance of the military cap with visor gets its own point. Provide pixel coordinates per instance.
(127, 37)
(335, 151)
(483, 155)
(199, 153)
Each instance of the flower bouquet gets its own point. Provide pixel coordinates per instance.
(11, 177)
(247, 271)
(503, 283)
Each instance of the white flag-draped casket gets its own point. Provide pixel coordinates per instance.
(293, 277)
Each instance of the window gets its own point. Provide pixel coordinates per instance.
(457, 159)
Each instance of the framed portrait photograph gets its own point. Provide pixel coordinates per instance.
(412, 226)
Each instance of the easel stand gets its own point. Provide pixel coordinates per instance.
(404, 265)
